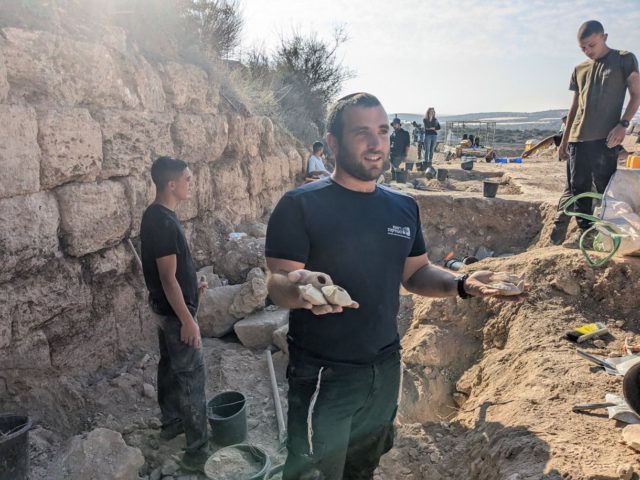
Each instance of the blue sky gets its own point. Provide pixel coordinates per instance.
(457, 56)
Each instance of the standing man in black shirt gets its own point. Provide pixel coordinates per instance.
(596, 123)
(170, 276)
(399, 142)
(344, 367)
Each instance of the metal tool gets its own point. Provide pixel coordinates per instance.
(282, 431)
(591, 406)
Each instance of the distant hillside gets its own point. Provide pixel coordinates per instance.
(545, 120)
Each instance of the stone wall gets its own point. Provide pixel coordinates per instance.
(81, 122)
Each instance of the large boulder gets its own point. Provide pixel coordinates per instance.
(29, 233)
(112, 261)
(189, 88)
(237, 257)
(279, 338)
(140, 192)
(102, 454)
(200, 138)
(213, 315)
(71, 143)
(54, 297)
(42, 65)
(250, 297)
(132, 140)
(93, 216)
(256, 331)
(19, 151)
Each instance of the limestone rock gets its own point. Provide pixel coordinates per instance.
(213, 315)
(30, 352)
(19, 151)
(200, 138)
(256, 230)
(30, 304)
(631, 436)
(625, 471)
(249, 298)
(29, 233)
(113, 261)
(93, 216)
(188, 88)
(149, 86)
(204, 190)
(100, 455)
(230, 184)
(279, 338)
(237, 257)
(132, 140)
(71, 143)
(61, 70)
(256, 331)
(140, 192)
(212, 279)
(148, 390)
(256, 273)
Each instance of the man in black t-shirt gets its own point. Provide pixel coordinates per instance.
(344, 365)
(399, 143)
(170, 276)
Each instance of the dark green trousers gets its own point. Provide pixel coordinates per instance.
(340, 419)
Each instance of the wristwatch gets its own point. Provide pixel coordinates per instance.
(624, 123)
(460, 279)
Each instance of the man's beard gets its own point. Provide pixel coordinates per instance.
(350, 164)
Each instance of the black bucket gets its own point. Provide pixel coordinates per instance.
(14, 446)
(489, 189)
(442, 174)
(227, 414)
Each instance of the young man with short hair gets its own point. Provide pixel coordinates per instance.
(344, 363)
(170, 276)
(399, 143)
(595, 127)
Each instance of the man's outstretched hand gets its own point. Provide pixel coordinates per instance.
(478, 284)
(317, 279)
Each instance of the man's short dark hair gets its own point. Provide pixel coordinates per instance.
(317, 146)
(166, 169)
(335, 123)
(589, 28)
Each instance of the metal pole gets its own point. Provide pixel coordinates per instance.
(282, 431)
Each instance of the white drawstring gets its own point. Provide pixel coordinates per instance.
(312, 405)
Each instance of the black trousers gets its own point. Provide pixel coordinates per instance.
(590, 163)
(340, 419)
(181, 384)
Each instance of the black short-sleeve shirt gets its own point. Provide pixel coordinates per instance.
(362, 241)
(161, 235)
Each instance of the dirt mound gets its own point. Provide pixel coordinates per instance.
(509, 414)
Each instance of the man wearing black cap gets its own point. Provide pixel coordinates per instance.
(400, 142)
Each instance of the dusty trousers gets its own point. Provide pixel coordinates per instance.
(340, 419)
(181, 384)
(590, 163)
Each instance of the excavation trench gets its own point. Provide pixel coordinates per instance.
(488, 386)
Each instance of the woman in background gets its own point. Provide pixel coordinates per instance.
(431, 127)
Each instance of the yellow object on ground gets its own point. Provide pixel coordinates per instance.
(529, 144)
(633, 161)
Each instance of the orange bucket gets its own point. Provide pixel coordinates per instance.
(633, 161)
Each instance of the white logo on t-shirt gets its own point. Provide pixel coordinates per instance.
(396, 231)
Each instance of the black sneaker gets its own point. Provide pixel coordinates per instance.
(171, 431)
(194, 461)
